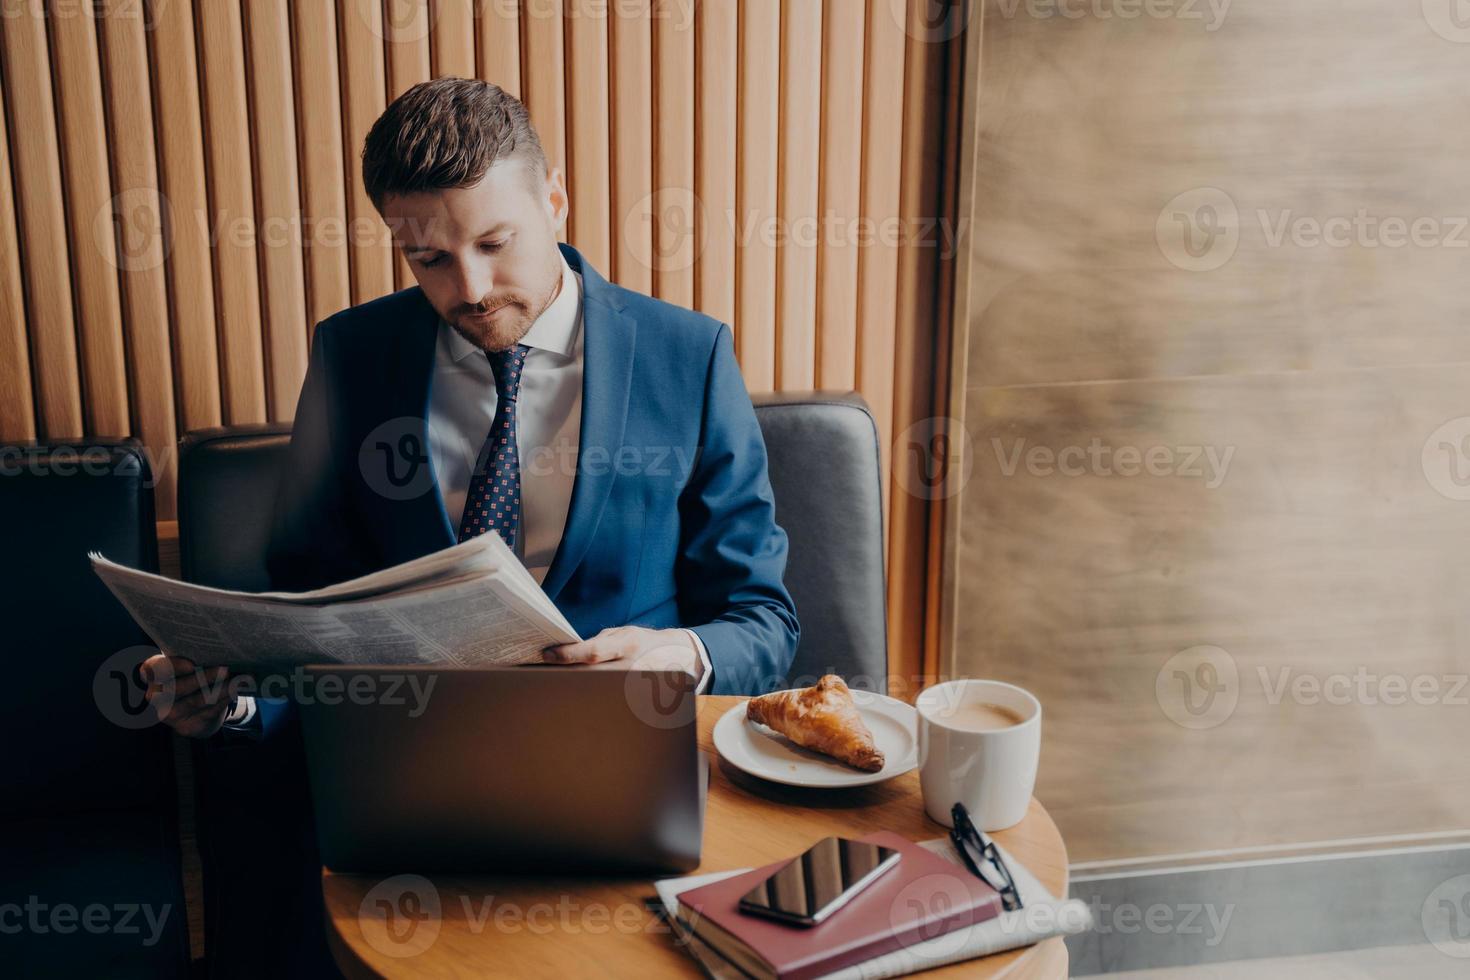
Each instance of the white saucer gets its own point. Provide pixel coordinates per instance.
(761, 752)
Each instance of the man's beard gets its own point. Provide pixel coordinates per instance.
(517, 312)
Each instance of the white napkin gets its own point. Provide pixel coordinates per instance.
(1041, 916)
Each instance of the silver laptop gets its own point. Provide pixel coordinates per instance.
(547, 769)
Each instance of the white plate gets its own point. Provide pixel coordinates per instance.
(761, 752)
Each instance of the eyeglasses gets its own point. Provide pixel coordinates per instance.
(983, 858)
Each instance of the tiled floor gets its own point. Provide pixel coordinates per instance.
(1396, 962)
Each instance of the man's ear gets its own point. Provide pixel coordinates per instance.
(556, 202)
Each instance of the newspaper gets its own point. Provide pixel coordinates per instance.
(471, 604)
(1041, 916)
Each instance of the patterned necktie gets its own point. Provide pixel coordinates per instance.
(494, 498)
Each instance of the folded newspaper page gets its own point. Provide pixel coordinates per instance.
(473, 604)
(1041, 916)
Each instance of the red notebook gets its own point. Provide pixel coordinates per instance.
(921, 897)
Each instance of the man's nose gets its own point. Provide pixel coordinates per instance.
(476, 280)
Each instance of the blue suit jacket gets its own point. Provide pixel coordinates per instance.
(671, 520)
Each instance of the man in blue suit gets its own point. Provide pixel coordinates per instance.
(605, 435)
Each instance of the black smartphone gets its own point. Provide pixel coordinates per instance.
(807, 889)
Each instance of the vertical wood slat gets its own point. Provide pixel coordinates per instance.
(180, 138)
(41, 219)
(756, 185)
(278, 203)
(364, 83)
(93, 271)
(923, 141)
(498, 43)
(454, 38)
(588, 155)
(718, 41)
(673, 125)
(406, 31)
(137, 222)
(801, 119)
(544, 61)
(323, 188)
(17, 414)
(232, 210)
(632, 148)
(840, 199)
(882, 155)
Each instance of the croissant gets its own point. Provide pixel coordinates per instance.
(822, 718)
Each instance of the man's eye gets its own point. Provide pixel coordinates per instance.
(431, 263)
(492, 246)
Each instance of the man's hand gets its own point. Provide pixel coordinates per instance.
(191, 700)
(631, 648)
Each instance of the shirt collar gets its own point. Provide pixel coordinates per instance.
(555, 330)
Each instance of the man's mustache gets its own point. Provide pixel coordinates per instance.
(482, 309)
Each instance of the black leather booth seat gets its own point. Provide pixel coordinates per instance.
(90, 879)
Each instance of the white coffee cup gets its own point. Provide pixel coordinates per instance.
(991, 771)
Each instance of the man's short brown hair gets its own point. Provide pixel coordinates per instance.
(447, 133)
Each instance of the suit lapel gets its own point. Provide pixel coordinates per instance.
(415, 522)
(608, 338)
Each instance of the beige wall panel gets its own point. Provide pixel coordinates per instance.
(278, 199)
(633, 257)
(179, 135)
(406, 29)
(674, 137)
(717, 39)
(1109, 527)
(232, 211)
(17, 415)
(88, 195)
(361, 32)
(588, 150)
(323, 168)
(543, 75)
(798, 193)
(42, 220)
(136, 220)
(454, 38)
(840, 198)
(499, 43)
(756, 185)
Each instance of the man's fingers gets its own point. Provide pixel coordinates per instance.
(210, 679)
(160, 667)
(590, 651)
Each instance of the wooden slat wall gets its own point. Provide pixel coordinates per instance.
(186, 202)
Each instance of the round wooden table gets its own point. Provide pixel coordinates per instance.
(480, 926)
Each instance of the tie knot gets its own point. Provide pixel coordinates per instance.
(507, 366)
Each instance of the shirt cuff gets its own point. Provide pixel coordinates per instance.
(243, 715)
(706, 669)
